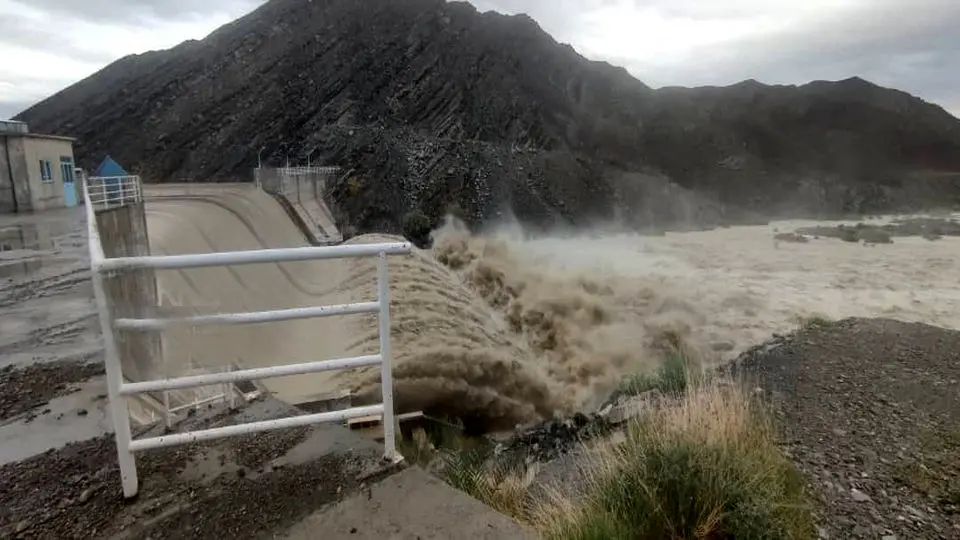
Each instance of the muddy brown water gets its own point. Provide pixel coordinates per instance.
(504, 329)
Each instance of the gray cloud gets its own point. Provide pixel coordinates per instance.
(11, 108)
(911, 46)
(25, 32)
(137, 12)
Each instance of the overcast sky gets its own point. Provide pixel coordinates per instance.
(914, 45)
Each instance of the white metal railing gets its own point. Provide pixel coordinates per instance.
(292, 181)
(112, 191)
(118, 390)
(307, 171)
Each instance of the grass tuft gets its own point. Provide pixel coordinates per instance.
(502, 485)
(674, 376)
(707, 467)
(812, 322)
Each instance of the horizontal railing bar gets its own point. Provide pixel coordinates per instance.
(275, 255)
(205, 379)
(198, 403)
(251, 317)
(253, 427)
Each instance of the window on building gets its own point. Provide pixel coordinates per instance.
(66, 169)
(46, 171)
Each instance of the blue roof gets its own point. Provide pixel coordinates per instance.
(109, 168)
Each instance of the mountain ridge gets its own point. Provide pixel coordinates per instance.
(517, 123)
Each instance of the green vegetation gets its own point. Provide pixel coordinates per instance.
(354, 186)
(416, 226)
(706, 467)
(702, 464)
(671, 378)
(812, 321)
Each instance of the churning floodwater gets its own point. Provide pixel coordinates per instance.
(500, 329)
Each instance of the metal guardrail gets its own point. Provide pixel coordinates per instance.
(294, 182)
(113, 191)
(118, 390)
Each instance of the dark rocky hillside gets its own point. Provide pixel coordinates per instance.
(431, 105)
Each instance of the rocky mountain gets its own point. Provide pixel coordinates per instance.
(431, 106)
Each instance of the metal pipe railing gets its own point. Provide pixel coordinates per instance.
(118, 391)
(113, 191)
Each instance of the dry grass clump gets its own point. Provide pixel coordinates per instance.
(705, 467)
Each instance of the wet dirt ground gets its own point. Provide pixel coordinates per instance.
(245, 487)
(46, 305)
(51, 385)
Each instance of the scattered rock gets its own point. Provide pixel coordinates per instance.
(548, 440)
(85, 496)
(860, 400)
(859, 496)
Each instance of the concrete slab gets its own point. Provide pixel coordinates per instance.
(409, 505)
(317, 217)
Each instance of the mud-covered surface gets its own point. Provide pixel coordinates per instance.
(47, 311)
(871, 413)
(246, 487)
(24, 389)
(51, 354)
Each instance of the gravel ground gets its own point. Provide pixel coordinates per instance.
(871, 411)
(24, 390)
(246, 487)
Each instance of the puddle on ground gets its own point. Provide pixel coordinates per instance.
(23, 247)
(19, 245)
(74, 417)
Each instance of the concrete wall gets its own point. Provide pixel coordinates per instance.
(14, 195)
(303, 198)
(22, 188)
(8, 203)
(46, 195)
(131, 293)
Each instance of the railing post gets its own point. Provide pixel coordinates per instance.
(386, 369)
(167, 415)
(118, 404)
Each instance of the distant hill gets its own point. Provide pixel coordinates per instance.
(432, 105)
